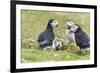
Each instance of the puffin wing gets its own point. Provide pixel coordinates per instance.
(82, 39)
(46, 36)
(45, 39)
(44, 42)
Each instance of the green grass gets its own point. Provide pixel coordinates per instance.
(34, 22)
(36, 55)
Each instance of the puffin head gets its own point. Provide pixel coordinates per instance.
(69, 23)
(71, 26)
(53, 22)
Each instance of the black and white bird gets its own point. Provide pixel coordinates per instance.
(57, 44)
(77, 35)
(45, 38)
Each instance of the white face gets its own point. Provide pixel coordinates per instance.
(73, 28)
(69, 23)
(54, 23)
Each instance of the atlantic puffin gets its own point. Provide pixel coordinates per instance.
(77, 35)
(45, 38)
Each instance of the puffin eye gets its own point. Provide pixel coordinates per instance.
(55, 22)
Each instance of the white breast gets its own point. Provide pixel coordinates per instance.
(70, 35)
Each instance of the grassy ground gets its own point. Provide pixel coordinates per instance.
(34, 22)
(35, 55)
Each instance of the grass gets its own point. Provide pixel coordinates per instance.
(34, 22)
(36, 55)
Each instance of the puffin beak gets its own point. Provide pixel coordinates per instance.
(56, 25)
(68, 27)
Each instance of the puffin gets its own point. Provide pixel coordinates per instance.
(45, 38)
(77, 35)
